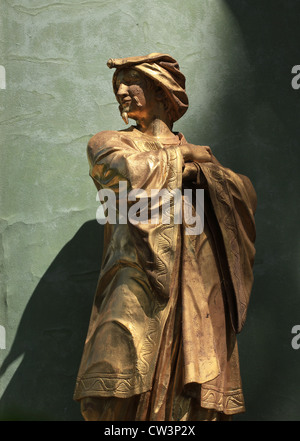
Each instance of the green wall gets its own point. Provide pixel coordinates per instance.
(58, 94)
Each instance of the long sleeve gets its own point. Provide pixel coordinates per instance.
(114, 157)
(145, 165)
(233, 202)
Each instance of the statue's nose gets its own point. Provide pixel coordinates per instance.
(122, 91)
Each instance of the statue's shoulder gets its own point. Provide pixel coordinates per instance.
(107, 139)
(101, 138)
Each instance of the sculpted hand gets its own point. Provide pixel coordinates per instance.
(198, 153)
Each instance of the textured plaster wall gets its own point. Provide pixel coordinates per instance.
(57, 93)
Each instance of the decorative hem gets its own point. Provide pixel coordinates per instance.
(227, 402)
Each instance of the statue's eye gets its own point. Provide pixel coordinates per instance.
(131, 79)
(133, 76)
(128, 78)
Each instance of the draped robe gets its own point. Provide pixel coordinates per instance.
(168, 305)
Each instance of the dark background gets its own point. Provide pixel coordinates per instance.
(265, 121)
(271, 32)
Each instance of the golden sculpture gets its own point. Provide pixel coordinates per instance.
(161, 342)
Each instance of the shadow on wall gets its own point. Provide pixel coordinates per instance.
(51, 334)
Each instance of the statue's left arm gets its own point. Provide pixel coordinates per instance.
(231, 200)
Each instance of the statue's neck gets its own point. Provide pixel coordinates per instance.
(157, 128)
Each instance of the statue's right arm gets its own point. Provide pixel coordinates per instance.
(114, 157)
(197, 153)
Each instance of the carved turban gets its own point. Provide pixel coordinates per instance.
(164, 71)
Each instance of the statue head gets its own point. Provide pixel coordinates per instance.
(152, 78)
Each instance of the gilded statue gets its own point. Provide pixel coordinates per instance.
(161, 342)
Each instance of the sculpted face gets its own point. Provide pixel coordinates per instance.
(135, 96)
